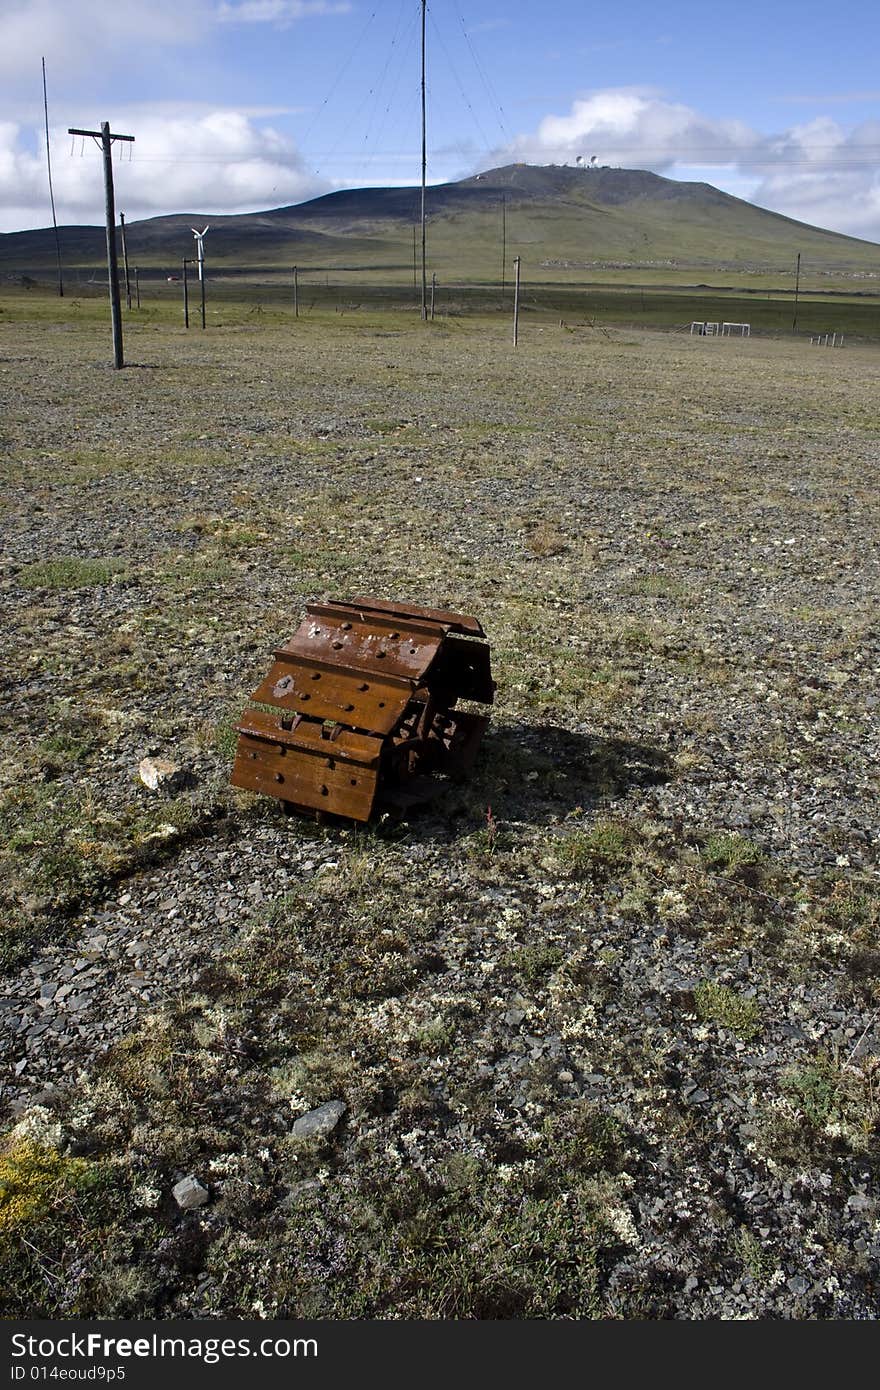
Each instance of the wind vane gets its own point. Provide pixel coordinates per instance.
(200, 254)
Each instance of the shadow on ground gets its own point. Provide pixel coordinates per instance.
(531, 767)
(535, 774)
(528, 774)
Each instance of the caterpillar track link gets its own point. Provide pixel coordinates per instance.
(358, 712)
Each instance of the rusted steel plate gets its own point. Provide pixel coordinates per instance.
(452, 622)
(338, 612)
(323, 739)
(324, 694)
(363, 705)
(322, 776)
(365, 646)
(465, 669)
(463, 738)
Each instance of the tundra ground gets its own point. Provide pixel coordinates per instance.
(605, 1018)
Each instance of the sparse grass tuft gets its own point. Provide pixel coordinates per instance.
(814, 1089)
(604, 849)
(69, 572)
(546, 540)
(729, 852)
(536, 960)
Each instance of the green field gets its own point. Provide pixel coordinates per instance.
(260, 300)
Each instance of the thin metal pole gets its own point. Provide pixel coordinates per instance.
(137, 287)
(424, 170)
(125, 261)
(516, 301)
(797, 286)
(296, 292)
(503, 243)
(433, 292)
(202, 285)
(185, 294)
(51, 192)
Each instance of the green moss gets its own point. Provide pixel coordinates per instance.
(34, 1179)
(716, 1003)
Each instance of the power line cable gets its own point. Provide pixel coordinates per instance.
(464, 96)
(677, 154)
(408, 50)
(340, 74)
(405, 40)
(490, 90)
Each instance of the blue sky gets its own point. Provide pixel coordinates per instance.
(245, 104)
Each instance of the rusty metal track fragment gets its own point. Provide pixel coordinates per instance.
(362, 708)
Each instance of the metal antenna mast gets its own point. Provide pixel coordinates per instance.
(424, 169)
(51, 191)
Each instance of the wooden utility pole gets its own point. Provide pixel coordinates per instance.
(51, 192)
(516, 301)
(296, 292)
(186, 262)
(125, 261)
(797, 286)
(106, 138)
(424, 170)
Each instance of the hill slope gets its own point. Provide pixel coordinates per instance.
(561, 220)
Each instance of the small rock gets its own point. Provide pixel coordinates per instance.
(695, 1095)
(189, 1193)
(161, 775)
(317, 1124)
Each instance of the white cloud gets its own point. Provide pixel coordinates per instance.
(76, 35)
(818, 172)
(622, 126)
(276, 11)
(114, 42)
(219, 161)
